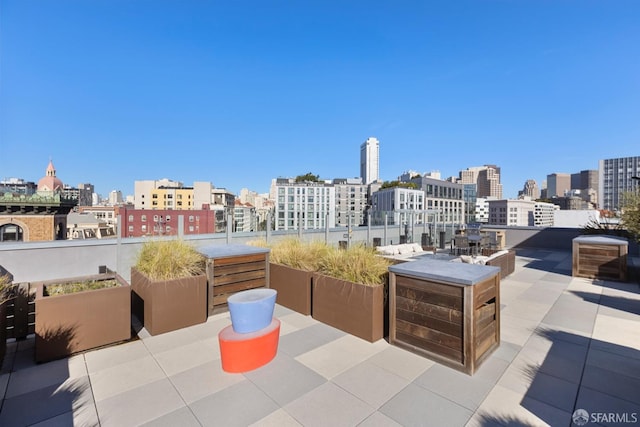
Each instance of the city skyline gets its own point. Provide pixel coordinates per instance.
(237, 95)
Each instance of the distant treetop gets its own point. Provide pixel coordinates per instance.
(308, 177)
(391, 184)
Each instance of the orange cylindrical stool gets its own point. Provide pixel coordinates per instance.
(246, 352)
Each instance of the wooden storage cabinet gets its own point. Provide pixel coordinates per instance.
(448, 312)
(231, 269)
(600, 257)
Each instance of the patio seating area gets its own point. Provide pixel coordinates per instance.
(567, 343)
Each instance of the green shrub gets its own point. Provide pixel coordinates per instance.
(169, 259)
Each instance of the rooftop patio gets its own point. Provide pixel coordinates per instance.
(566, 344)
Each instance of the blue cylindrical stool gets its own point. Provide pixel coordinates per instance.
(252, 310)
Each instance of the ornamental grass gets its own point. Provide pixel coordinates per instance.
(169, 259)
(5, 287)
(357, 264)
(71, 288)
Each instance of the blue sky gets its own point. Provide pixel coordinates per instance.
(240, 92)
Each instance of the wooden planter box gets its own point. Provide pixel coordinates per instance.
(3, 318)
(168, 305)
(447, 312)
(351, 307)
(600, 257)
(67, 324)
(3, 330)
(231, 269)
(293, 286)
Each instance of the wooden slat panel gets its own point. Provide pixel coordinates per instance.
(449, 353)
(484, 292)
(239, 259)
(430, 335)
(240, 277)
(431, 310)
(485, 315)
(431, 323)
(486, 338)
(423, 295)
(239, 286)
(222, 298)
(237, 268)
(430, 287)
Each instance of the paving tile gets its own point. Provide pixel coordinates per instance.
(170, 340)
(351, 351)
(559, 276)
(416, 406)
(109, 357)
(491, 369)
(378, 419)
(72, 418)
(182, 417)
(541, 293)
(204, 380)
(279, 418)
(617, 335)
(284, 379)
(553, 391)
(329, 405)
(401, 362)
(371, 383)
(558, 256)
(529, 310)
(139, 405)
(239, 405)
(4, 383)
(46, 374)
(465, 390)
(595, 403)
(23, 359)
(614, 362)
(298, 320)
(612, 383)
(570, 312)
(505, 407)
(51, 401)
(558, 358)
(125, 376)
(185, 357)
(516, 330)
(307, 339)
(211, 327)
(621, 307)
(558, 333)
(507, 351)
(281, 311)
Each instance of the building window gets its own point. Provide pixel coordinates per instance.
(168, 218)
(190, 218)
(143, 218)
(131, 229)
(130, 218)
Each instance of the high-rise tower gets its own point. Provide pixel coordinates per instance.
(615, 177)
(370, 161)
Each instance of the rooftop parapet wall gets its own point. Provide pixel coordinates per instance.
(38, 261)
